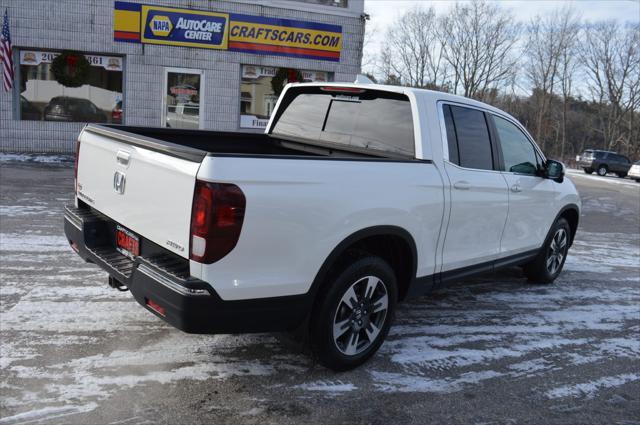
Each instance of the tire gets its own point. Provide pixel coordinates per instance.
(548, 264)
(637, 180)
(602, 170)
(335, 349)
(622, 175)
(588, 170)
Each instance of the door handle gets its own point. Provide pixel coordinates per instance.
(123, 157)
(462, 185)
(516, 188)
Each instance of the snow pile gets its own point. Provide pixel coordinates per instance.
(31, 157)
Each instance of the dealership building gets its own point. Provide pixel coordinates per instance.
(190, 64)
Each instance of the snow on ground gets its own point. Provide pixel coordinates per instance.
(69, 343)
(610, 178)
(590, 389)
(30, 157)
(438, 346)
(330, 387)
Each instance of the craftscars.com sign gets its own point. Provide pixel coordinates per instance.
(140, 23)
(285, 37)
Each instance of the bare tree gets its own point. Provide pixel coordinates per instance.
(548, 62)
(611, 57)
(368, 55)
(567, 69)
(412, 51)
(478, 40)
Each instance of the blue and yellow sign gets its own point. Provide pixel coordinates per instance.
(285, 37)
(140, 23)
(183, 27)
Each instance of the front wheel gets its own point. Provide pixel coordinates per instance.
(548, 264)
(602, 170)
(354, 313)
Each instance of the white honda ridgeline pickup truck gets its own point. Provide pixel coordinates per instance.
(356, 197)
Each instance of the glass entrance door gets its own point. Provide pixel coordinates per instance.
(182, 98)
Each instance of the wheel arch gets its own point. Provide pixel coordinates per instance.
(392, 243)
(571, 213)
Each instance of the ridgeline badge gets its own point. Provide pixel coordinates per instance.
(183, 27)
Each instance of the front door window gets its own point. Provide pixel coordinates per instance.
(518, 152)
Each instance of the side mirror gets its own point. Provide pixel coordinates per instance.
(555, 170)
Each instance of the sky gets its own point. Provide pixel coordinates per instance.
(384, 12)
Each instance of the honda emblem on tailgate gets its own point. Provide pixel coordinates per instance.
(118, 182)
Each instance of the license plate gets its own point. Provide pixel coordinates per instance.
(127, 242)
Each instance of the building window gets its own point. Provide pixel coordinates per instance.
(257, 97)
(42, 98)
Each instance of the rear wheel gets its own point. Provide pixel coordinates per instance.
(353, 315)
(588, 170)
(548, 264)
(602, 170)
(622, 175)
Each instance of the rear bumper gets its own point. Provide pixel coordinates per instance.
(162, 281)
(586, 164)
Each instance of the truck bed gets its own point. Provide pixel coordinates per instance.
(195, 144)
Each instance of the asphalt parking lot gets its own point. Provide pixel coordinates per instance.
(490, 350)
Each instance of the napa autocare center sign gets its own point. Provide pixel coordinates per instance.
(179, 27)
(140, 23)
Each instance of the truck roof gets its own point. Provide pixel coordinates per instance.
(431, 95)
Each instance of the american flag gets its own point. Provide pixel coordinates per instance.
(5, 54)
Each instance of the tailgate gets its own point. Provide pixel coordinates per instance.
(144, 184)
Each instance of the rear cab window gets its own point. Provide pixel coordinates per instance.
(468, 138)
(375, 122)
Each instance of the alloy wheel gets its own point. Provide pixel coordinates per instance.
(557, 251)
(360, 315)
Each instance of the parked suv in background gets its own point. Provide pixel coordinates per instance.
(603, 162)
(634, 171)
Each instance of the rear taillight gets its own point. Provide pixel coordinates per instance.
(75, 179)
(216, 220)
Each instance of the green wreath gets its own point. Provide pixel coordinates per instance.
(71, 69)
(284, 76)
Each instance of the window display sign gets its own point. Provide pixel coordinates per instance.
(257, 95)
(140, 23)
(31, 57)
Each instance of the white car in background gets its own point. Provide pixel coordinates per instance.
(634, 171)
(184, 115)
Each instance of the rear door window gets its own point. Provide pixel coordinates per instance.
(364, 120)
(472, 137)
(452, 140)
